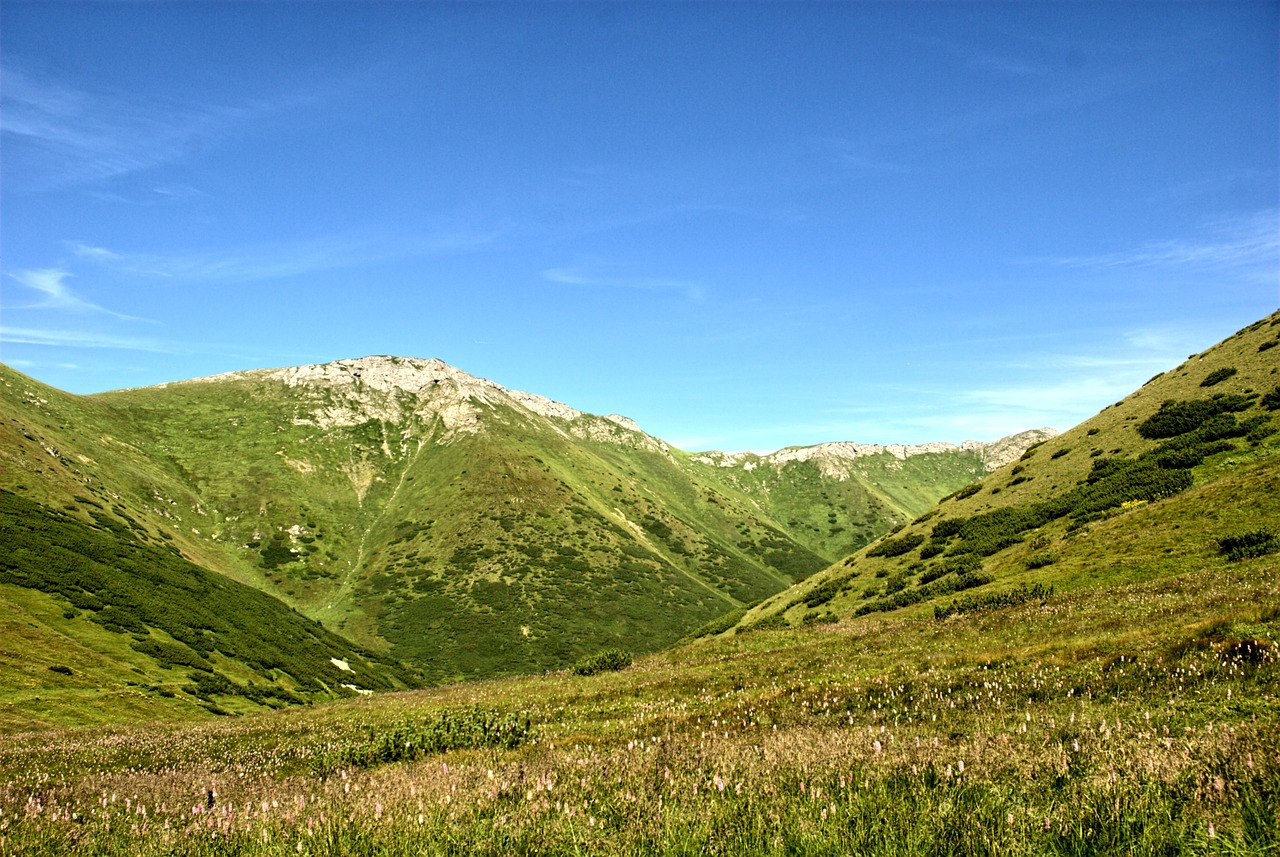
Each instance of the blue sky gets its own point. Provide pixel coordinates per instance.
(743, 225)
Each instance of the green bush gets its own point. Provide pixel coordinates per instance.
(776, 622)
(1040, 560)
(1271, 401)
(458, 730)
(1177, 417)
(1247, 545)
(897, 547)
(610, 660)
(991, 600)
(827, 590)
(1217, 376)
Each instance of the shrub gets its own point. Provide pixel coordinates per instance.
(896, 547)
(1271, 401)
(931, 550)
(825, 591)
(776, 622)
(1177, 417)
(827, 618)
(1018, 595)
(610, 660)
(459, 730)
(1217, 376)
(1247, 545)
(1040, 560)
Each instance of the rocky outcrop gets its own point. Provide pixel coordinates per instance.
(832, 459)
(390, 389)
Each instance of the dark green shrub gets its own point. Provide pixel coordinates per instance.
(459, 730)
(1271, 401)
(775, 622)
(896, 547)
(1040, 560)
(60, 669)
(1217, 376)
(931, 550)
(610, 660)
(1177, 417)
(1269, 345)
(827, 618)
(991, 600)
(897, 583)
(1060, 452)
(1247, 545)
(826, 590)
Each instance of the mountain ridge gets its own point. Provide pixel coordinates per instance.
(436, 518)
(388, 373)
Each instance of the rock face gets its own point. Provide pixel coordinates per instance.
(391, 388)
(833, 458)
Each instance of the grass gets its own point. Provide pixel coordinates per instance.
(1107, 720)
(518, 549)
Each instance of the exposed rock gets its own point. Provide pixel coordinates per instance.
(833, 459)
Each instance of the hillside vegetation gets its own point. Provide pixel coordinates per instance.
(1114, 688)
(421, 515)
(1153, 485)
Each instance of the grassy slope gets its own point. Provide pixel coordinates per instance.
(1135, 711)
(515, 550)
(1229, 492)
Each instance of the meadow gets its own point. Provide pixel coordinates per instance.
(1134, 719)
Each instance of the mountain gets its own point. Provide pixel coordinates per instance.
(1177, 475)
(419, 514)
(1097, 671)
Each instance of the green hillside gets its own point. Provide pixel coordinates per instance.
(438, 519)
(108, 615)
(1156, 484)
(1112, 688)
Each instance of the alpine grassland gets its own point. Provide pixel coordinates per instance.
(1077, 655)
(420, 515)
(1139, 718)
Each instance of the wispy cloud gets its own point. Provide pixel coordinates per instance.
(281, 261)
(590, 278)
(1251, 242)
(83, 339)
(57, 295)
(65, 133)
(75, 135)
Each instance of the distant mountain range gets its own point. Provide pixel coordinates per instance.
(275, 535)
